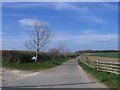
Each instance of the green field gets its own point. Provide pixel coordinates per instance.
(110, 80)
(109, 54)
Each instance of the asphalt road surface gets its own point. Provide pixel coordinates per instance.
(67, 75)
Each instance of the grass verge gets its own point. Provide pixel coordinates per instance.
(35, 66)
(110, 80)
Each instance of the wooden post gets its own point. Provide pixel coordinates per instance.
(111, 67)
(118, 69)
(97, 64)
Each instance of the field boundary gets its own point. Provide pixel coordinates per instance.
(109, 79)
(87, 64)
(112, 67)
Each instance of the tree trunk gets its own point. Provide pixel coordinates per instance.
(36, 55)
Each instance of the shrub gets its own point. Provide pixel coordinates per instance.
(13, 56)
(25, 56)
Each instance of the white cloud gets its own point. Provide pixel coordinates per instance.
(88, 36)
(97, 20)
(55, 5)
(89, 31)
(82, 12)
(31, 22)
(88, 39)
(65, 6)
(27, 22)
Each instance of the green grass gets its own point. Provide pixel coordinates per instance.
(35, 66)
(110, 80)
(109, 54)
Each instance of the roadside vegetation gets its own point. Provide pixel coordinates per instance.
(108, 54)
(21, 60)
(34, 66)
(110, 80)
(38, 57)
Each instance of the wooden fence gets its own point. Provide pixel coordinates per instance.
(112, 67)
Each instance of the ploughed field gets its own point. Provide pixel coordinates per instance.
(104, 57)
(109, 54)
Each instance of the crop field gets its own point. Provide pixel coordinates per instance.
(109, 54)
(91, 59)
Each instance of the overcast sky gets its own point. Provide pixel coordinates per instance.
(78, 25)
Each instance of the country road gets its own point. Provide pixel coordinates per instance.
(67, 75)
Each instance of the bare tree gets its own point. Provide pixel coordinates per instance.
(61, 47)
(39, 37)
(54, 52)
(58, 51)
(63, 50)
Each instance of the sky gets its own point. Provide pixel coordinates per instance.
(77, 25)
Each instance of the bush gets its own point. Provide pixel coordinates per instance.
(25, 56)
(14, 56)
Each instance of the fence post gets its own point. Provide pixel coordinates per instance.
(97, 63)
(111, 67)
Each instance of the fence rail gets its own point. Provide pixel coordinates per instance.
(112, 67)
(108, 66)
